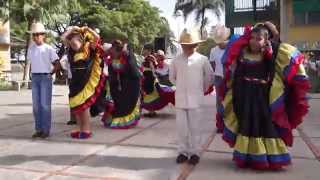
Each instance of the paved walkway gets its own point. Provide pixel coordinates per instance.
(145, 153)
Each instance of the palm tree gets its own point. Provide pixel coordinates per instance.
(200, 7)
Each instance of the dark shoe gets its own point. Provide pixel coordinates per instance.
(153, 114)
(181, 159)
(194, 160)
(71, 122)
(37, 134)
(150, 114)
(44, 135)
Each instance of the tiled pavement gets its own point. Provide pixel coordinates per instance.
(145, 153)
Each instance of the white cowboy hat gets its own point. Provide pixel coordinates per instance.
(160, 52)
(106, 46)
(221, 34)
(190, 37)
(37, 28)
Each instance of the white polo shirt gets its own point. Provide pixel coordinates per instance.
(41, 58)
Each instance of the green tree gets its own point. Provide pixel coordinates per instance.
(4, 11)
(49, 12)
(136, 21)
(205, 47)
(200, 7)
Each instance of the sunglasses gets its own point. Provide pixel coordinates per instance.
(37, 34)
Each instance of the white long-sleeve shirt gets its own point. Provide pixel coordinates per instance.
(192, 76)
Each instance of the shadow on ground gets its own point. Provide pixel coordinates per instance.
(129, 163)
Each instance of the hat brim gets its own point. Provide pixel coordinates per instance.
(220, 41)
(192, 43)
(34, 32)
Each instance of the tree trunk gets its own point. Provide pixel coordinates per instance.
(202, 22)
(26, 68)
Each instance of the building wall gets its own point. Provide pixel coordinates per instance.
(4, 47)
(309, 34)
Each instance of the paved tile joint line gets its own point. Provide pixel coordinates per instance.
(314, 149)
(186, 170)
(62, 171)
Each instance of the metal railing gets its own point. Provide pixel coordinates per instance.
(247, 5)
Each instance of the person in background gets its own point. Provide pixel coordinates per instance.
(65, 65)
(220, 36)
(44, 63)
(192, 75)
(154, 95)
(162, 70)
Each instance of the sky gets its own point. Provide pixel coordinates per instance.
(177, 24)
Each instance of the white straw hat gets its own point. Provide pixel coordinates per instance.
(160, 52)
(221, 34)
(190, 37)
(37, 28)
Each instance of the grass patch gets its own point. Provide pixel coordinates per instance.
(5, 85)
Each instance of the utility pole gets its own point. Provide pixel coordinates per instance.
(254, 3)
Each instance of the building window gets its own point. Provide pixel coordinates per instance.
(307, 18)
(247, 5)
(300, 18)
(314, 17)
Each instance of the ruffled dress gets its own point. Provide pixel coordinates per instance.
(87, 80)
(123, 92)
(263, 102)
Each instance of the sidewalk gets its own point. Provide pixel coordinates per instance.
(145, 153)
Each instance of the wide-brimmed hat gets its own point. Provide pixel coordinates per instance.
(190, 37)
(220, 34)
(160, 52)
(37, 28)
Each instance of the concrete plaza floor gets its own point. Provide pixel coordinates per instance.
(146, 152)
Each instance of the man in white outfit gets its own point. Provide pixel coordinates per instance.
(192, 74)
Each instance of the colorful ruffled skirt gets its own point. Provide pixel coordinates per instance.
(86, 84)
(122, 110)
(160, 97)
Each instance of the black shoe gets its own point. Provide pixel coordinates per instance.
(181, 159)
(44, 135)
(71, 122)
(194, 160)
(36, 134)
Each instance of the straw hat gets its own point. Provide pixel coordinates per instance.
(221, 34)
(37, 28)
(160, 52)
(190, 37)
(106, 46)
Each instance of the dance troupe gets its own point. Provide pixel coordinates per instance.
(260, 84)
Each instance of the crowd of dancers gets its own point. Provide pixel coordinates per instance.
(260, 83)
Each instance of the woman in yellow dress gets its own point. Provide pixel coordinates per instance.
(87, 82)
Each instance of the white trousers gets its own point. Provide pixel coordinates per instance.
(188, 131)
